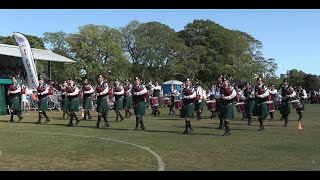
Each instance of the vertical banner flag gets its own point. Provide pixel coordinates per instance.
(28, 60)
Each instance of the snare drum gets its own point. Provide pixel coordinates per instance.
(270, 106)
(178, 104)
(167, 101)
(240, 107)
(211, 105)
(155, 101)
(295, 103)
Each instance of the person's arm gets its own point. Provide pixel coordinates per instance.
(76, 91)
(16, 91)
(144, 90)
(231, 96)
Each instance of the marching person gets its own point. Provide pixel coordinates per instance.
(261, 107)
(65, 101)
(189, 93)
(87, 90)
(156, 89)
(199, 100)
(248, 97)
(227, 93)
(14, 100)
(217, 89)
(302, 96)
(102, 91)
(173, 92)
(43, 90)
(273, 94)
(127, 100)
(118, 92)
(72, 93)
(139, 91)
(286, 92)
(211, 97)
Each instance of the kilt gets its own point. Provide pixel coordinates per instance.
(261, 110)
(285, 108)
(65, 103)
(218, 105)
(199, 106)
(227, 111)
(87, 103)
(250, 106)
(139, 108)
(73, 104)
(43, 104)
(187, 110)
(302, 105)
(102, 105)
(127, 102)
(118, 104)
(15, 103)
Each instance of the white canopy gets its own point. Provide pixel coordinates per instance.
(39, 54)
(175, 82)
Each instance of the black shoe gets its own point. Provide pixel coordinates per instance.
(249, 122)
(136, 129)
(106, 125)
(20, 118)
(226, 134)
(11, 121)
(185, 132)
(158, 113)
(96, 126)
(142, 128)
(77, 122)
(220, 126)
(190, 130)
(70, 124)
(261, 128)
(90, 117)
(285, 124)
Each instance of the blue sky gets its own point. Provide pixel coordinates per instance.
(290, 36)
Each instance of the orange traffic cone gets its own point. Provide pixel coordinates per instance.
(299, 125)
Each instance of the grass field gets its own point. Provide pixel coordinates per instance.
(54, 146)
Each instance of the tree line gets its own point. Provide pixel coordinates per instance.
(154, 51)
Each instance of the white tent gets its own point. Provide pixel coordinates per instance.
(39, 54)
(175, 82)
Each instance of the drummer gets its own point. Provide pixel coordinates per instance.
(248, 97)
(286, 92)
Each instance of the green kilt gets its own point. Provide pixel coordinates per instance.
(43, 104)
(127, 102)
(118, 105)
(87, 103)
(199, 106)
(302, 105)
(102, 105)
(218, 105)
(275, 104)
(249, 106)
(73, 105)
(65, 103)
(227, 112)
(15, 103)
(261, 110)
(285, 108)
(188, 110)
(140, 108)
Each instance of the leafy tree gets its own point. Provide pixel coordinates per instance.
(311, 82)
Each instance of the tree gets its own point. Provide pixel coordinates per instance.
(295, 77)
(311, 82)
(98, 50)
(152, 47)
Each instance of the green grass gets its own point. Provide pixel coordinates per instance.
(276, 148)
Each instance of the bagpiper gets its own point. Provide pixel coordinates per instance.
(72, 94)
(87, 90)
(102, 91)
(14, 99)
(43, 90)
(138, 94)
(118, 92)
(286, 93)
